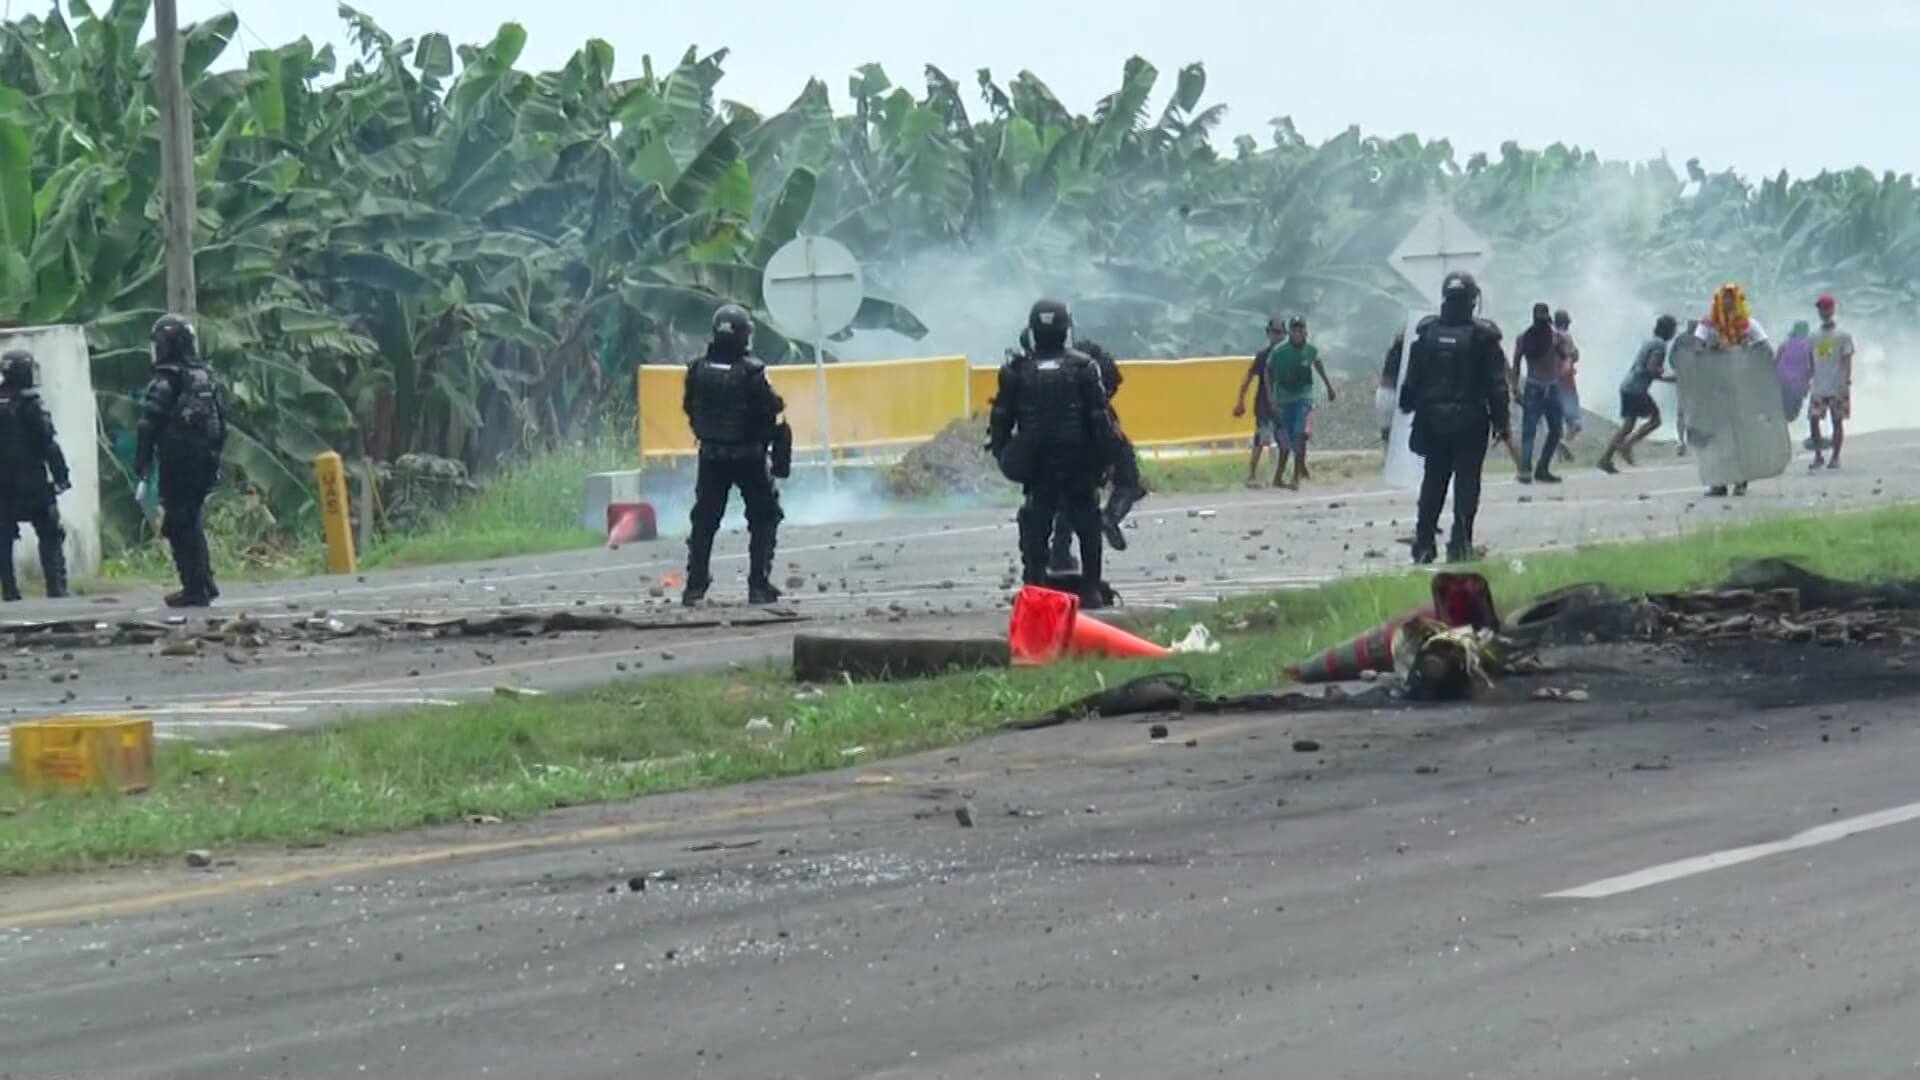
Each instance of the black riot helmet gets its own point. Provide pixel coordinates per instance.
(1459, 290)
(732, 328)
(17, 368)
(1051, 323)
(174, 342)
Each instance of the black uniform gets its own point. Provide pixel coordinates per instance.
(1052, 431)
(1123, 472)
(33, 473)
(1456, 389)
(735, 415)
(184, 426)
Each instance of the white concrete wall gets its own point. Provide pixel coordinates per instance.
(66, 384)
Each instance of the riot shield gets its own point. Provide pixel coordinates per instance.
(1731, 398)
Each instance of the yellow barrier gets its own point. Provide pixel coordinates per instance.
(84, 751)
(896, 403)
(331, 475)
(1165, 403)
(876, 404)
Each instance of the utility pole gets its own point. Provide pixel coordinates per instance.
(176, 158)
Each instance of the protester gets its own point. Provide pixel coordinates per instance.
(1636, 394)
(1291, 367)
(1539, 350)
(1794, 368)
(1569, 390)
(1387, 397)
(1730, 325)
(1831, 392)
(1264, 432)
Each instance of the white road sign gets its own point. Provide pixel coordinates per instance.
(1439, 244)
(813, 288)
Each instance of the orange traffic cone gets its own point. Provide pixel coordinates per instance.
(1371, 650)
(1091, 637)
(627, 522)
(1048, 624)
(1042, 625)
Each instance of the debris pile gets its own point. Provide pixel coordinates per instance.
(1777, 614)
(954, 462)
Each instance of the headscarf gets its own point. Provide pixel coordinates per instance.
(1794, 366)
(1730, 316)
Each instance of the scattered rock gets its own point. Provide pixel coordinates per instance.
(1578, 695)
(1157, 731)
(796, 582)
(964, 815)
(199, 859)
(1191, 743)
(1305, 746)
(482, 819)
(1427, 770)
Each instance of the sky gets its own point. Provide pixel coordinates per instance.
(1757, 85)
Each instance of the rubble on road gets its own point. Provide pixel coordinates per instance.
(242, 631)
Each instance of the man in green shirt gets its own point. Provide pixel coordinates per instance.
(1291, 367)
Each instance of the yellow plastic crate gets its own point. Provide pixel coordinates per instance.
(84, 751)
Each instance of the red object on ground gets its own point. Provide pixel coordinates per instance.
(1042, 624)
(627, 522)
(1370, 650)
(1047, 624)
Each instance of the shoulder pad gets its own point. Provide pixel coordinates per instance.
(753, 363)
(1487, 326)
(1421, 326)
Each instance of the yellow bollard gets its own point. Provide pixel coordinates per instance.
(332, 477)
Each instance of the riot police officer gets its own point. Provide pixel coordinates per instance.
(1456, 389)
(1052, 432)
(184, 426)
(33, 474)
(1124, 487)
(735, 415)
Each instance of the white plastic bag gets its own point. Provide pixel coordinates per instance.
(1198, 640)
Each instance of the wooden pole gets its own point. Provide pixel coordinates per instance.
(176, 158)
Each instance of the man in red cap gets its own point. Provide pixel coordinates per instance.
(1831, 393)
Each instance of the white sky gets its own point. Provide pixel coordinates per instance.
(1756, 84)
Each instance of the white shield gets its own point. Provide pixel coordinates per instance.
(1731, 400)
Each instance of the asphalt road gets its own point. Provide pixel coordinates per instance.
(1707, 870)
(919, 573)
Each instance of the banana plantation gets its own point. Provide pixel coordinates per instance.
(422, 247)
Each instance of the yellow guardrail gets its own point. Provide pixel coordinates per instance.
(897, 403)
(875, 404)
(1165, 403)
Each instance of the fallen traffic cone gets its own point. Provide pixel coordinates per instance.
(627, 522)
(1371, 650)
(1091, 637)
(1048, 624)
(1042, 625)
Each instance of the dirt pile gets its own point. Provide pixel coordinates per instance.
(954, 462)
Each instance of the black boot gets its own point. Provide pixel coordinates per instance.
(9, 580)
(1119, 504)
(186, 562)
(1424, 550)
(760, 588)
(695, 592)
(53, 566)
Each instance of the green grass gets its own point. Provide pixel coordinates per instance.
(514, 757)
(530, 506)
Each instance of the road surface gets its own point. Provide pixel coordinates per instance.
(1707, 870)
(922, 573)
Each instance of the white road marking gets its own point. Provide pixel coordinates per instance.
(1700, 864)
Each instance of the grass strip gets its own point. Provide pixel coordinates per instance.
(516, 757)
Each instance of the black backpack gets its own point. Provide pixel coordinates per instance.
(197, 417)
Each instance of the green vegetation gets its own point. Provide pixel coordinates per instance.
(519, 756)
(422, 247)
